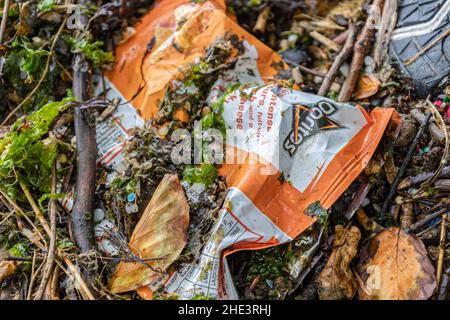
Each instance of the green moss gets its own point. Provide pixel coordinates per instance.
(205, 173)
(201, 297)
(24, 55)
(269, 263)
(316, 210)
(215, 118)
(25, 156)
(19, 250)
(92, 51)
(46, 5)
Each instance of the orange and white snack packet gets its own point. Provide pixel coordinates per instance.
(285, 149)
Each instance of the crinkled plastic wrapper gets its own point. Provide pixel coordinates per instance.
(285, 149)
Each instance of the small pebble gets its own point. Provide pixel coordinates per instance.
(99, 215)
(344, 69)
(131, 208)
(370, 67)
(292, 40)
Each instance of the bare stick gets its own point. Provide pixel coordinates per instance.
(361, 47)
(19, 210)
(86, 292)
(405, 164)
(261, 22)
(428, 47)
(443, 162)
(425, 220)
(86, 157)
(4, 19)
(387, 25)
(35, 207)
(54, 284)
(310, 71)
(407, 216)
(442, 242)
(30, 287)
(33, 276)
(50, 262)
(330, 44)
(444, 286)
(340, 59)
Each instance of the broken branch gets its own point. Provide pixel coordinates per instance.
(340, 59)
(405, 164)
(361, 47)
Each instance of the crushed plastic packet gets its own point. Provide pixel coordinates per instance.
(285, 150)
(296, 150)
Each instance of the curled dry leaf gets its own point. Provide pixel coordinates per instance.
(395, 266)
(367, 86)
(160, 233)
(337, 281)
(7, 268)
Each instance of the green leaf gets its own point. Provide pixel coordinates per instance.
(205, 173)
(46, 5)
(25, 155)
(92, 51)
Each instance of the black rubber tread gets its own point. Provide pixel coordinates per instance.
(432, 66)
(417, 11)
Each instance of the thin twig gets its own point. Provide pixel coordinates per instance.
(19, 210)
(405, 164)
(33, 277)
(35, 207)
(4, 19)
(261, 22)
(387, 25)
(442, 242)
(310, 71)
(83, 286)
(50, 262)
(444, 157)
(30, 287)
(54, 284)
(340, 59)
(444, 286)
(428, 47)
(330, 44)
(424, 221)
(361, 47)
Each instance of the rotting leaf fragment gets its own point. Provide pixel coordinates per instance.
(395, 266)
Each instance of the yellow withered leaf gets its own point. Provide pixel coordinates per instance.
(7, 268)
(395, 266)
(160, 233)
(366, 87)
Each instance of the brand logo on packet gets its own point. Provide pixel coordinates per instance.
(307, 121)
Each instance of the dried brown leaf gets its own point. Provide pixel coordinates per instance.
(160, 233)
(395, 266)
(366, 87)
(7, 268)
(337, 281)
